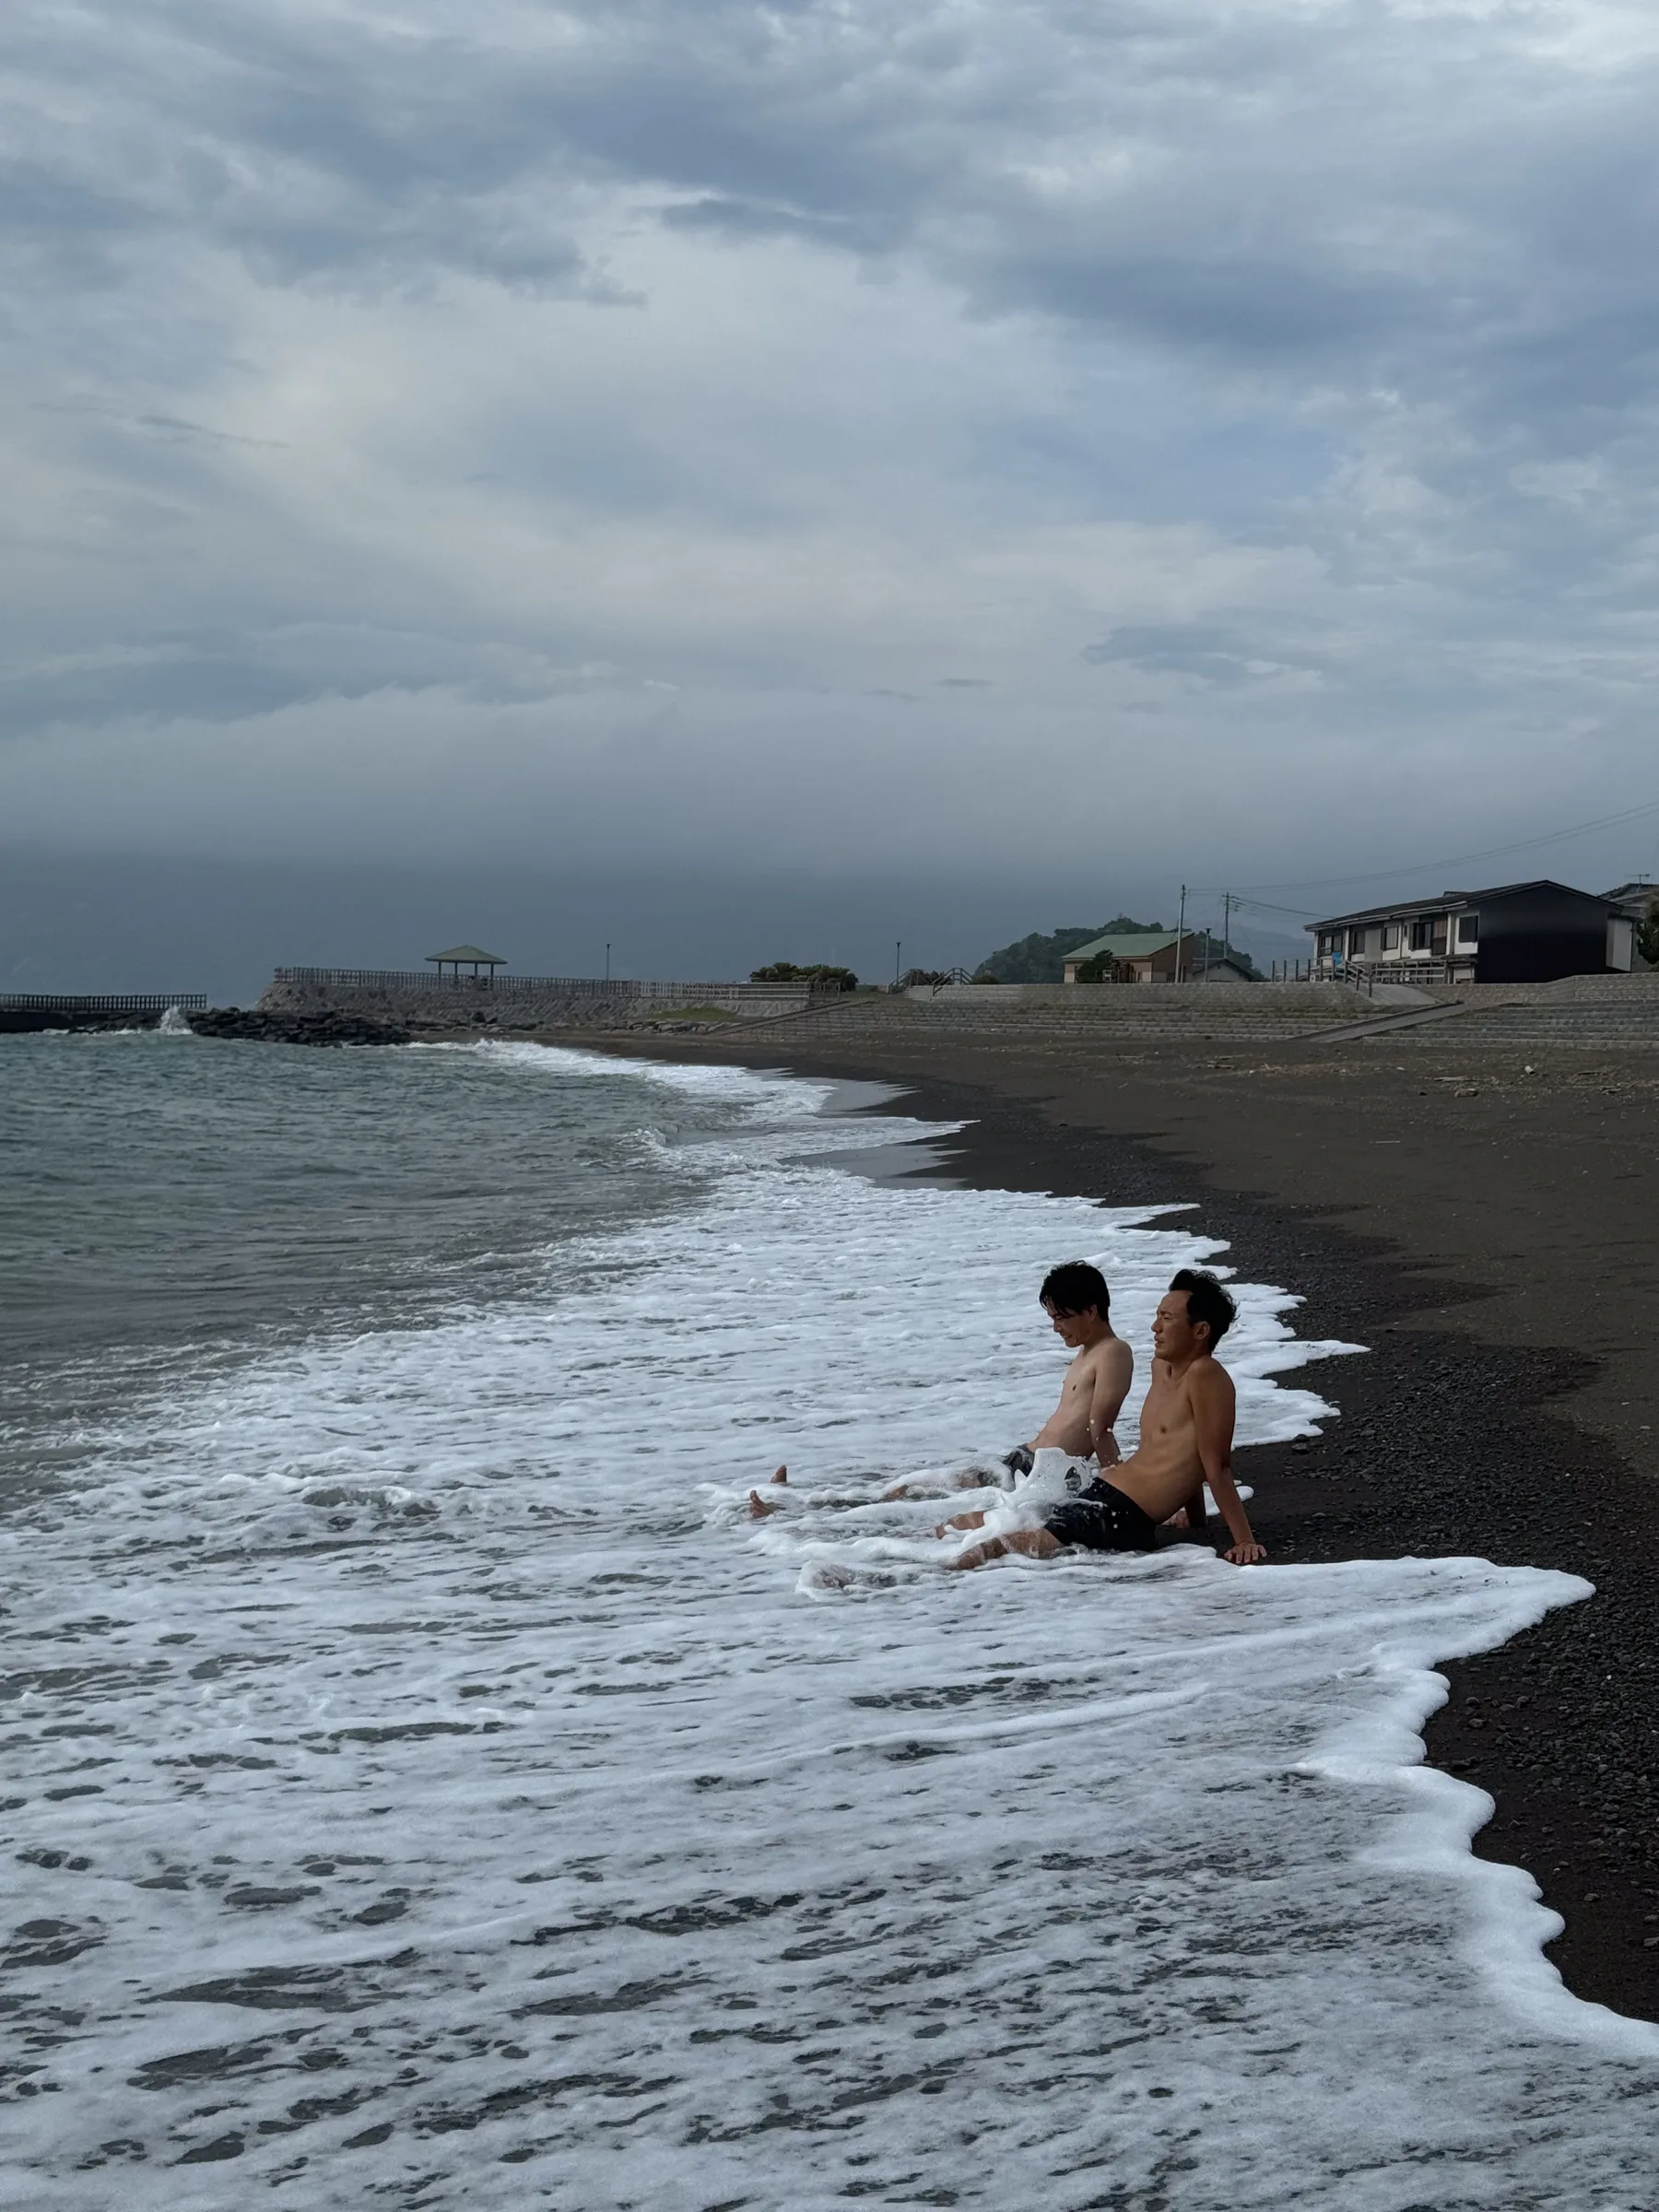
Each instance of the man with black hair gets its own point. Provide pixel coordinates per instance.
(1187, 1432)
(1079, 1305)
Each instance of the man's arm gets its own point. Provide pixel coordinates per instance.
(1212, 1400)
(1115, 1371)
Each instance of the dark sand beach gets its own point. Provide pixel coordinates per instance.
(1491, 1229)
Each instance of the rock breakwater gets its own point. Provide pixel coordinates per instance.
(322, 1026)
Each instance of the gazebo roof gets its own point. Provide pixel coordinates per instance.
(470, 953)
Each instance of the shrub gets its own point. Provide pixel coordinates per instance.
(1647, 932)
(1102, 969)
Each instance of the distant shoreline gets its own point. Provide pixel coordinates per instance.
(1484, 1233)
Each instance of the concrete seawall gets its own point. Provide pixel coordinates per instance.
(528, 1002)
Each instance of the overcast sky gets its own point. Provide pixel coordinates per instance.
(1138, 442)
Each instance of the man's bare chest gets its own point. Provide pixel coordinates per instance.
(1167, 1412)
(1079, 1378)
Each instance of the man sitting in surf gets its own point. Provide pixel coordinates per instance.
(1186, 1435)
(1079, 1305)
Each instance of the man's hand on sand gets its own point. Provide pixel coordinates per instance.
(1246, 1555)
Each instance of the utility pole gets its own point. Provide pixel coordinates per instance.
(1181, 934)
(898, 948)
(608, 963)
(1226, 925)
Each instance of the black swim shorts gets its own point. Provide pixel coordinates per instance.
(1102, 1519)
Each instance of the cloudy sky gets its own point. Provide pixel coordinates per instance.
(1150, 439)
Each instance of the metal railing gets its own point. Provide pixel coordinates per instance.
(930, 979)
(1363, 973)
(104, 1002)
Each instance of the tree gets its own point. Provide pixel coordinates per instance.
(1647, 932)
(785, 971)
(1102, 969)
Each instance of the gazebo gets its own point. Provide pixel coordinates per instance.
(467, 956)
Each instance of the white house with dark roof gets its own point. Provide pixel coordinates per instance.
(1632, 902)
(1511, 933)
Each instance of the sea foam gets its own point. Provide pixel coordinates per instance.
(430, 1788)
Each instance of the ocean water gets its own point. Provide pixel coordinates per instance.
(425, 1785)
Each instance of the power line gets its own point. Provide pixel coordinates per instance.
(1457, 860)
(1262, 906)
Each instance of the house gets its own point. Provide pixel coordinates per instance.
(1630, 902)
(1156, 956)
(1514, 933)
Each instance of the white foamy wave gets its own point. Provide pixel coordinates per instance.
(437, 1791)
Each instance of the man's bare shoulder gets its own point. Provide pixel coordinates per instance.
(1208, 1379)
(1112, 1354)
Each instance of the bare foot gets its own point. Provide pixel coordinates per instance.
(758, 1509)
(959, 1520)
(1193, 1515)
(782, 1474)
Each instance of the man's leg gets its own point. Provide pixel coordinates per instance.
(1035, 1543)
(973, 1478)
(1191, 1516)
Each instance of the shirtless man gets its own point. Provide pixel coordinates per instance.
(1187, 1440)
(1079, 1305)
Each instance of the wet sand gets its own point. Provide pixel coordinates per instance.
(1491, 1230)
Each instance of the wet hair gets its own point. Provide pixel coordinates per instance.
(1206, 1300)
(1073, 1287)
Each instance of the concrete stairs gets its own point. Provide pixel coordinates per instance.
(1051, 1014)
(1583, 1010)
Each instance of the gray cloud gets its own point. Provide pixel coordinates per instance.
(1217, 656)
(1211, 653)
(1166, 363)
(744, 219)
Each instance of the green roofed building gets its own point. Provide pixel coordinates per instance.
(1155, 956)
(467, 956)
